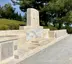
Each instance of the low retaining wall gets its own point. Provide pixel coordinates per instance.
(11, 32)
(52, 34)
(14, 44)
(57, 33)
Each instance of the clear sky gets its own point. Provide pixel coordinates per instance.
(2, 2)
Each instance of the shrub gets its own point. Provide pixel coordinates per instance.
(13, 26)
(69, 30)
(4, 27)
(50, 27)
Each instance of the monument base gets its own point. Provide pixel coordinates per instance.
(29, 27)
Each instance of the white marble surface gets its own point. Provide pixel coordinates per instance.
(34, 33)
(32, 17)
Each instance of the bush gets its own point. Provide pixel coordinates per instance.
(50, 27)
(4, 27)
(22, 24)
(13, 26)
(69, 30)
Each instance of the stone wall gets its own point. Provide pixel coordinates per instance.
(11, 32)
(57, 33)
(8, 46)
(54, 34)
(11, 46)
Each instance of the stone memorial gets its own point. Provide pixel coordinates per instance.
(33, 29)
(30, 39)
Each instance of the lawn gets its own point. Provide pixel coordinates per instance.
(6, 24)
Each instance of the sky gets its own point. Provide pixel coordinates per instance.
(3, 2)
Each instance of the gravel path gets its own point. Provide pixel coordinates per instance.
(59, 53)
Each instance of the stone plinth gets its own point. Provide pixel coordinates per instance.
(33, 29)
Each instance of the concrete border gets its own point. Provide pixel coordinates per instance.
(38, 49)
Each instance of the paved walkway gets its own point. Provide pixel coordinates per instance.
(59, 53)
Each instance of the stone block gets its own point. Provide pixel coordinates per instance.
(7, 48)
(32, 17)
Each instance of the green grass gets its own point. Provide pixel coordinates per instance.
(7, 21)
(6, 24)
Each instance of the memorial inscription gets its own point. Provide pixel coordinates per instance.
(7, 50)
(34, 33)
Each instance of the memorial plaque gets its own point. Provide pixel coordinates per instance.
(7, 50)
(15, 47)
(34, 33)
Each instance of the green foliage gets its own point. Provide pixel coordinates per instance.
(58, 12)
(13, 26)
(4, 27)
(8, 12)
(68, 17)
(69, 30)
(50, 27)
(49, 10)
(6, 24)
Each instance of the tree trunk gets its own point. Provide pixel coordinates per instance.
(60, 25)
